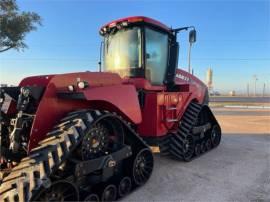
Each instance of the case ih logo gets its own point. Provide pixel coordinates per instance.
(180, 76)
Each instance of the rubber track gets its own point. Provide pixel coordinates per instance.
(34, 171)
(172, 145)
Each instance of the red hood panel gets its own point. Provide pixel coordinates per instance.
(63, 80)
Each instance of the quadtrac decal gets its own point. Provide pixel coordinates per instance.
(181, 76)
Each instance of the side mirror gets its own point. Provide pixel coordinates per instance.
(192, 36)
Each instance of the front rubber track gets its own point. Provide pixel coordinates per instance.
(33, 172)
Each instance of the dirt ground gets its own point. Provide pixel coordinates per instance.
(245, 125)
(243, 121)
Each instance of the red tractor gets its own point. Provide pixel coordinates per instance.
(85, 135)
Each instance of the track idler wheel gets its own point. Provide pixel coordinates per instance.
(208, 144)
(92, 198)
(125, 186)
(215, 135)
(188, 148)
(142, 166)
(109, 193)
(203, 147)
(197, 149)
(59, 191)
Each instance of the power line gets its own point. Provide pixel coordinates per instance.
(49, 59)
(96, 60)
(233, 59)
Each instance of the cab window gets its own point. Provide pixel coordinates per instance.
(156, 48)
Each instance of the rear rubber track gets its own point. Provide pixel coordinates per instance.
(182, 144)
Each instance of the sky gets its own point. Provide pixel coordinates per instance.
(233, 38)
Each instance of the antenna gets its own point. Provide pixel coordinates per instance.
(100, 53)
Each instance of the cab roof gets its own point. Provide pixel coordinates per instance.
(137, 19)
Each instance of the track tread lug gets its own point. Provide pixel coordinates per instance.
(70, 117)
(176, 143)
(189, 116)
(176, 154)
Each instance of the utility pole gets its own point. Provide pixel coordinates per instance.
(263, 93)
(248, 89)
(189, 53)
(255, 83)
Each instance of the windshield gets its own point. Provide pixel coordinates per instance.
(122, 52)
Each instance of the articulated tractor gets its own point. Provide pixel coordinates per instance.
(86, 136)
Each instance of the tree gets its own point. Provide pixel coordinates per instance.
(14, 25)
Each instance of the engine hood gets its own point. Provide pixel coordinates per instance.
(63, 80)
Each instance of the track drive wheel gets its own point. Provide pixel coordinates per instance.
(102, 138)
(142, 166)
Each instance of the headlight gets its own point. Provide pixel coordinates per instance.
(71, 88)
(82, 84)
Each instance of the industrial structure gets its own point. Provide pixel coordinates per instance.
(209, 79)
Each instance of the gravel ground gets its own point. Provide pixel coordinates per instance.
(238, 170)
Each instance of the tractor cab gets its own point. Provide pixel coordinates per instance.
(141, 47)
